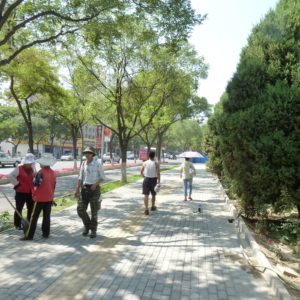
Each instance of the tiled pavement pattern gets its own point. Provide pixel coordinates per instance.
(175, 253)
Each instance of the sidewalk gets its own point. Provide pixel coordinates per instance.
(175, 253)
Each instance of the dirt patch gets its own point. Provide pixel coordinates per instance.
(281, 257)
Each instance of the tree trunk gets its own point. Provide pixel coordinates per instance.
(158, 148)
(74, 132)
(148, 149)
(30, 137)
(298, 208)
(37, 150)
(123, 147)
(52, 144)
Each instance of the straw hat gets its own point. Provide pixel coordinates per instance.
(28, 159)
(47, 159)
(89, 149)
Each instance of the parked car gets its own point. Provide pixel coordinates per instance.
(130, 156)
(107, 158)
(167, 155)
(7, 160)
(67, 157)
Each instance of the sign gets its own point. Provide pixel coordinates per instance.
(143, 154)
(107, 134)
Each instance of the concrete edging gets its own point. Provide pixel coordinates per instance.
(271, 278)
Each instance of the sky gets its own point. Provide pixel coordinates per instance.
(222, 36)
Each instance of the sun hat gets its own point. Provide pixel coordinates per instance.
(28, 159)
(89, 149)
(47, 159)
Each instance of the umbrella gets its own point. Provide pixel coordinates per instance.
(190, 154)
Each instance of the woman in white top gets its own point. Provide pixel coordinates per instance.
(187, 171)
(151, 173)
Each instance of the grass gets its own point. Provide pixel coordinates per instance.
(6, 219)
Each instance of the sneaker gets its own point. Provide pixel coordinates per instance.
(153, 208)
(93, 234)
(45, 236)
(18, 227)
(184, 199)
(146, 212)
(85, 231)
(190, 198)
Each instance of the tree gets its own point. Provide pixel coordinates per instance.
(12, 127)
(190, 132)
(31, 78)
(178, 89)
(118, 60)
(25, 24)
(257, 130)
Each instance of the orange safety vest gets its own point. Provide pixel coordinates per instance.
(25, 179)
(45, 192)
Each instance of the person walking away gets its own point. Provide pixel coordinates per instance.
(88, 191)
(187, 171)
(43, 195)
(151, 173)
(22, 179)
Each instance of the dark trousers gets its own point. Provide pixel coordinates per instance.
(89, 197)
(21, 199)
(37, 208)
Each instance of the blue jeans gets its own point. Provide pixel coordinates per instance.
(188, 184)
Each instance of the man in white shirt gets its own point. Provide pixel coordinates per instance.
(151, 173)
(88, 191)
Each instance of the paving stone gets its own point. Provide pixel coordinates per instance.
(174, 253)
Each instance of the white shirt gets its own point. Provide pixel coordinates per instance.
(91, 172)
(150, 169)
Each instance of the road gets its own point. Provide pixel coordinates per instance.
(64, 185)
(58, 166)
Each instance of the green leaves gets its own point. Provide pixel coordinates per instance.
(257, 133)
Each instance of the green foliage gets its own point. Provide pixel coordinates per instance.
(191, 135)
(254, 139)
(5, 220)
(4, 217)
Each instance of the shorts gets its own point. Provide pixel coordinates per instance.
(149, 185)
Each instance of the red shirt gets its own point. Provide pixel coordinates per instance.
(44, 192)
(25, 179)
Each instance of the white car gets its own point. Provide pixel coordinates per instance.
(7, 160)
(107, 158)
(66, 157)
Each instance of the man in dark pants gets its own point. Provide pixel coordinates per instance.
(88, 191)
(43, 195)
(151, 173)
(22, 177)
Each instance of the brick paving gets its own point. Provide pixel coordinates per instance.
(175, 253)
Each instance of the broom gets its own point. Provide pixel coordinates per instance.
(24, 222)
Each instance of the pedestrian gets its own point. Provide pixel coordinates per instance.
(43, 195)
(187, 171)
(151, 173)
(88, 191)
(22, 179)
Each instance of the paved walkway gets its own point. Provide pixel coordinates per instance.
(175, 253)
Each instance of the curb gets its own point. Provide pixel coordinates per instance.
(272, 280)
(74, 172)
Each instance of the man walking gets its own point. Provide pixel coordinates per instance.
(151, 173)
(88, 191)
